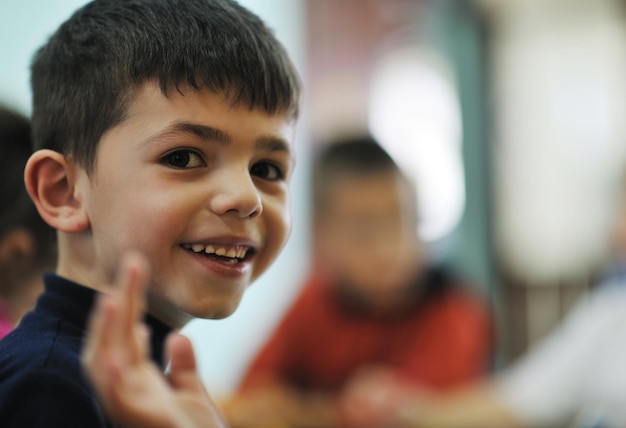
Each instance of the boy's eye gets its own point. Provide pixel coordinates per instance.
(183, 159)
(267, 171)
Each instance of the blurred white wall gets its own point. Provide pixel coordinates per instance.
(559, 88)
(24, 26)
(223, 347)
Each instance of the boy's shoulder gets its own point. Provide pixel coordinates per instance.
(50, 337)
(42, 397)
(42, 343)
(41, 383)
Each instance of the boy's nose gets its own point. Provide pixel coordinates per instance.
(238, 196)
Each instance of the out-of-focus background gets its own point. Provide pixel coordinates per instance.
(509, 114)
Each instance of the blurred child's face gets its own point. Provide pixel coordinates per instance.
(199, 187)
(367, 236)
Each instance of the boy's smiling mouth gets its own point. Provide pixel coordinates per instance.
(224, 253)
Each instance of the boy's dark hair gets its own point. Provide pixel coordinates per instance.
(17, 209)
(357, 156)
(84, 78)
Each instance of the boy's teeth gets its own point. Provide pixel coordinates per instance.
(232, 253)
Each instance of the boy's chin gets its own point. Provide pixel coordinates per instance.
(218, 309)
(178, 316)
(216, 314)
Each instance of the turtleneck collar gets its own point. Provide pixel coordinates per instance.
(73, 302)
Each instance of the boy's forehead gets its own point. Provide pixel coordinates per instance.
(151, 91)
(153, 116)
(183, 103)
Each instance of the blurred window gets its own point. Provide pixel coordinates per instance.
(414, 112)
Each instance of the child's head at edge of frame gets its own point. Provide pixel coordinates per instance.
(27, 243)
(165, 127)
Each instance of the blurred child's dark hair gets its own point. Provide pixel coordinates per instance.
(17, 210)
(354, 157)
(84, 78)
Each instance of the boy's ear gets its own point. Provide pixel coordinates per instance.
(51, 183)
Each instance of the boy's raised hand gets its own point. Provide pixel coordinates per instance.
(131, 388)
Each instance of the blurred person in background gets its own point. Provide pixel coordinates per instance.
(26, 242)
(574, 377)
(373, 314)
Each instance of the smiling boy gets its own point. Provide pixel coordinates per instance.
(164, 127)
(196, 185)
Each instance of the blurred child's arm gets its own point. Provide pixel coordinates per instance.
(473, 407)
(375, 398)
(132, 390)
(274, 405)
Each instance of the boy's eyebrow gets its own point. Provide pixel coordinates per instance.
(208, 133)
(273, 144)
(204, 132)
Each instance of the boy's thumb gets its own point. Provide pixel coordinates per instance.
(183, 370)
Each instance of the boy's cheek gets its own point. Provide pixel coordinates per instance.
(278, 219)
(287, 223)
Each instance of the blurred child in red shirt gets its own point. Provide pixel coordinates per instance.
(374, 313)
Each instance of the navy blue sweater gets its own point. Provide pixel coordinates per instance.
(41, 382)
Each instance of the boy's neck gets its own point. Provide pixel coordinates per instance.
(163, 311)
(75, 264)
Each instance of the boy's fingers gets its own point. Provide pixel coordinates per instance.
(142, 340)
(97, 357)
(183, 369)
(99, 337)
(96, 339)
(133, 283)
(136, 276)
